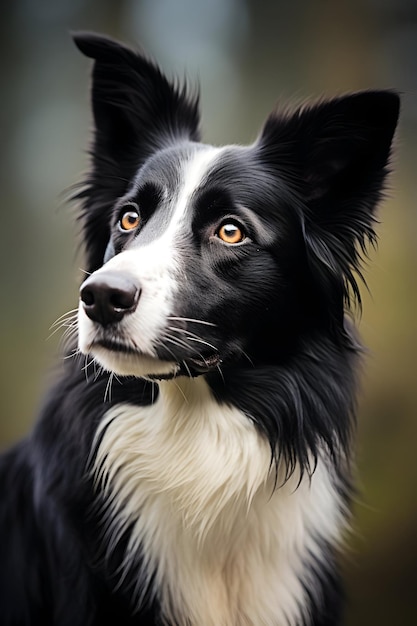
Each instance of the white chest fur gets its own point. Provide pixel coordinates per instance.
(195, 479)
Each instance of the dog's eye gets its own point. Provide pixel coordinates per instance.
(231, 233)
(129, 217)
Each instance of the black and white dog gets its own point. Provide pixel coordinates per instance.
(194, 469)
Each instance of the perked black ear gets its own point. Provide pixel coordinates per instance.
(136, 108)
(334, 155)
(137, 111)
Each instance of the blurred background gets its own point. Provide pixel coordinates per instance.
(248, 55)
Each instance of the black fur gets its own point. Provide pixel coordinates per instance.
(290, 358)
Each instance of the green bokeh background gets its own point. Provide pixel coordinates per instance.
(248, 55)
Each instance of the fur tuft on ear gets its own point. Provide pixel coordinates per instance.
(137, 111)
(334, 156)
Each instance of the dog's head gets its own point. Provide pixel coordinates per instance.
(201, 256)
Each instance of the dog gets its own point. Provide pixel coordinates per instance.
(193, 463)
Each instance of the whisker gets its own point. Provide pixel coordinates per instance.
(171, 353)
(65, 324)
(179, 388)
(176, 343)
(248, 358)
(206, 343)
(98, 371)
(72, 314)
(192, 336)
(190, 319)
(187, 369)
(67, 338)
(87, 363)
(75, 352)
(107, 391)
(85, 368)
(69, 328)
(219, 369)
(117, 378)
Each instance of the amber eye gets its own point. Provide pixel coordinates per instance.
(129, 218)
(231, 233)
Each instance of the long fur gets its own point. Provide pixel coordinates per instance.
(192, 466)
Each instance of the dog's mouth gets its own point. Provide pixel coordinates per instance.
(203, 364)
(186, 366)
(114, 345)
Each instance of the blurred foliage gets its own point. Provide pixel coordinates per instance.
(247, 56)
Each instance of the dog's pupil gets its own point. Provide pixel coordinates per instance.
(230, 230)
(231, 233)
(130, 219)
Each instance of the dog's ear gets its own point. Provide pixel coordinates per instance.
(137, 111)
(136, 108)
(334, 156)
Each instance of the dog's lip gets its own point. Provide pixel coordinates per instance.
(204, 363)
(199, 365)
(115, 346)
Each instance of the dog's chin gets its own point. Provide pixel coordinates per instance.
(134, 364)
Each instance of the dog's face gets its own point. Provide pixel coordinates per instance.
(203, 257)
(192, 266)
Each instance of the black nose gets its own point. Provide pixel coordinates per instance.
(108, 296)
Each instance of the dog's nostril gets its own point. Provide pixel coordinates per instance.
(108, 296)
(87, 296)
(120, 299)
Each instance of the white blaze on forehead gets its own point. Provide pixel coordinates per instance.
(156, 266)
(192, 175)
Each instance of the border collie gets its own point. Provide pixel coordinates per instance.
(192, 466)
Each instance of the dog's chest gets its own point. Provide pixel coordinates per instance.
(194, 478)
